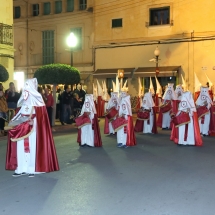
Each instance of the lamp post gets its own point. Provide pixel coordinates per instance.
(121, 76)
(71, 42)
(157, 53)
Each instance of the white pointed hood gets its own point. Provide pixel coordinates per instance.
(125, 106)
(151, 87)
(158, 88)
(169, 93)
(95, 92)
(204, 97)
(179, 90)
(140, 88)
(197, 84)
(89, 105)
(183, 83)
(100, 92)
(187, 102)
(148, 101)
(114, 101)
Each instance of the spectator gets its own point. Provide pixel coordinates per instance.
(49, 101)
(77, 102)
(81, 93)
(58, 99)
(3, 112)
(40, 90)
(12, 98)
(66, 105)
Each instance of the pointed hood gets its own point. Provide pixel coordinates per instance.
(170, 93)
(148, 101)
(95, 92)
(158, 88)
(183, 83)
(197, 84)
(106, 96)
(140, 88)
(209, 81)
(151, 87)
(117, 84)
(100, 92)
(114, 86)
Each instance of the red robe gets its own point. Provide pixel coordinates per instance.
(97, 135)
(131, 138)
(46, 157)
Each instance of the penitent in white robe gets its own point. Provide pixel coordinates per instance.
(190, 134)
(26, 161)
(147, 128)
(87, 133)
(121, 135)
(204, 128)
(166, 120)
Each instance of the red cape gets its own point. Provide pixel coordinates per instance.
(106, 126)
(131, 139)
(198, 139)
(139, 124)
(97, 135)
(46, 157)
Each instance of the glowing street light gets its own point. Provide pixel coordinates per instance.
(72, 41)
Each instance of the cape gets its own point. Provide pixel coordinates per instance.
(46, 157)
(97, 135)
(139, 124)
(106, 126)
(131, 138)
(198, 139)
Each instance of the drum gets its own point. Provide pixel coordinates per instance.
(182, 119)
(143, 115)
(83, 120)
(201, 111)
(119, 123)
(111, 114)
(166, 107)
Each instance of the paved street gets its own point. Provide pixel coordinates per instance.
(156, 177)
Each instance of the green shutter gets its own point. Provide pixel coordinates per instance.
(48, 47)
(58, 6)
(70, 5)
(47, 8)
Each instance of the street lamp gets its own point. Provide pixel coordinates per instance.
(157, 53)
(120, 76)
(71, 42)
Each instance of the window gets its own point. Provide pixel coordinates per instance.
(159, 16)
(58, 6)
(17, 12)
(78, 33)
(70, 5)
(47, 8)
(48, 47)
(116, 23)
(82, 4)
(35, 9)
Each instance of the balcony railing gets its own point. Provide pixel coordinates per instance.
(6, 34)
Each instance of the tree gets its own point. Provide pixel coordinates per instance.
(4, 75)
(57, 74)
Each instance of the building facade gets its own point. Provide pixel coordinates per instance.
(41, 28)
(6, 38)
(128, 32)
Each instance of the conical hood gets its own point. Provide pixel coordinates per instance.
(158, 88)
(117, 84)
(140, 87)
(114, 86)
(197, 84)
(100, 92)
(209, 81)
(151, 87)
(183, 83)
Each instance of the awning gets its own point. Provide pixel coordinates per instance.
(111, 73)
(164, 71)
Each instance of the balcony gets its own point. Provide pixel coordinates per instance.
(6, 34)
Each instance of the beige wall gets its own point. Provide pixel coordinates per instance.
(188, 16)
(6, 17)
(30, 57)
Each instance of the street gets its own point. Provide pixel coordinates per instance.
(156, 177)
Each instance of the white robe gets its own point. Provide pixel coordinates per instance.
(121, 135)
(147, 128)
(87, 133)
(204, 128)
(190, 134)
(166, 120)
(27, 161)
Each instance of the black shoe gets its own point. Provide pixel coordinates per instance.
(83, 145)
(205, 135)
(16, 175)
(62, 123)
(30, 175)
